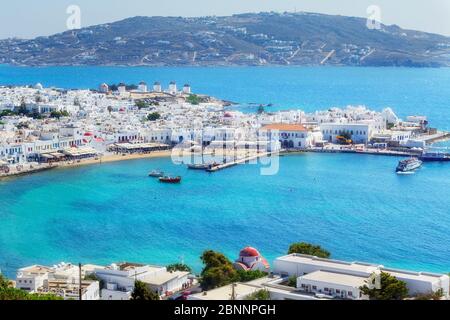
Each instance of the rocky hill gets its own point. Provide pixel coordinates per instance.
(244, 39)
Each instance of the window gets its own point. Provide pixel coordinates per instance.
(350, 294)
(338, 291)
(325, 289)
(314, 287)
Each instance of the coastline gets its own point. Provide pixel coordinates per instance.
(91, 161)
(114, 158)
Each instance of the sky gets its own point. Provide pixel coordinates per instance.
(31, 18)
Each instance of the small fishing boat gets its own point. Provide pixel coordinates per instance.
(156, 174)
(408, 165)
(167, 179)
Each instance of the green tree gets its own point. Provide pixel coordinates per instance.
(141, 104)
(437, 295)
(390, 288)
(309, 249)
(262, 294)
(93, 277)
(292, 282)
(178, 267)
(194, 99)
(153, 116)
(245, 276)
(7, 113)
(261, 109)
(142, 292)
(218, 270)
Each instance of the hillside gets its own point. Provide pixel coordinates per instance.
(244, 39)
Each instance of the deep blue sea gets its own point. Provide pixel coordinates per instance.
(353, 205)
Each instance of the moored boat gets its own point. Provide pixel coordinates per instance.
(156, 174)
(408, 165)
(167, 179)
(203, 166)
(429, 156)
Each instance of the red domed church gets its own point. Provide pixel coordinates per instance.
(251, 259)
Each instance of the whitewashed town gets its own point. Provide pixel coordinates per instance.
(292, 277)
(42, 128)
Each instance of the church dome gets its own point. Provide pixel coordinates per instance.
(249, 252)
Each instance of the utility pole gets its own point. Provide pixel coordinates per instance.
(233, 292)
(80, 290)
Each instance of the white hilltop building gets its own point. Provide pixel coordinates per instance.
(187, 89)
(173, 88)
(157, 87)
(142, 87)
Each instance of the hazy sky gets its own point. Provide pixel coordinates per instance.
(30, 18)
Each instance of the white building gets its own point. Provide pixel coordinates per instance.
(120, 279)
(187, 89)
(157, 87)
(342, 279)
(290, 136)
(142, 87)
(173, 88)
(359, 132)
(333, 284)
(251, 259)
(61, 280)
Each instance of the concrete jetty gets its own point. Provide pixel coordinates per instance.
(237, 162)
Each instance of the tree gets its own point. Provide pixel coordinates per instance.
(245, 276)
(93, 277)
(153, 116)
(309, 249)
(142, 292)
(218, 270)
(141, 104)
(437, 295)
(178, 267)
(262, 294)
(292, 282)
(193, 99)
(261, 109)
(390, 288)
(59, 114)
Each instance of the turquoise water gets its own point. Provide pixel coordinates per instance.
(356, 206)
(353, 205)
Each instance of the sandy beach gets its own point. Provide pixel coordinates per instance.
(113, 158)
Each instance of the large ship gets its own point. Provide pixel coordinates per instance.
(434, 156)
(408, 165)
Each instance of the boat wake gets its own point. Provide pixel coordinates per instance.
(405, 173)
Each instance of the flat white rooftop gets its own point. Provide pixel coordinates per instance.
(411, 275)
(163, 277)
(328, 263)
(336, 278)
(224, 293)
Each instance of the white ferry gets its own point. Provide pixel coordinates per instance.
(408, 165)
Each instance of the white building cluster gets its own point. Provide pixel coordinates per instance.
(58, 120)
(326, 279)
(117, 280)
